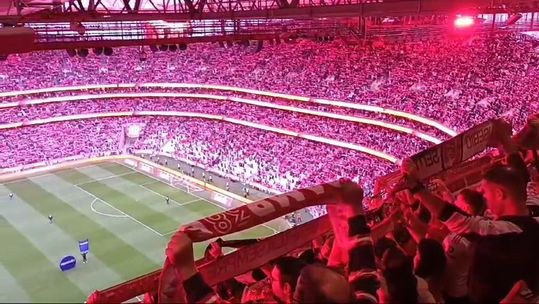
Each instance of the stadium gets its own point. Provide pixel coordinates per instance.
(269, 151)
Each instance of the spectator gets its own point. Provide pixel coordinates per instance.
(284, 277)
(505, 247)
(430, 265)
(471, 202)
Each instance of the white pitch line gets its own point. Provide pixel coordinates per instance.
(105, 178)
(192, 201)
(105, 214)
(170, 232)
(18, 180)
(129, 216)
(48, 174)
(161, 195)
(200, 198)
(148, 183)
(164, 196)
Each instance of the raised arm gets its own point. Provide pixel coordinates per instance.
(180, 268)
(415, 226)
(455, 219)
(362, 268)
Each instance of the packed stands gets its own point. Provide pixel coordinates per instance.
(420, 252)
(369, 136)
(255, 155)
(457, 82)
(174, 91)
(414, 245)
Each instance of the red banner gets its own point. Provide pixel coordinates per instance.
(261, 211)
(237, 262)
(246, 217)
(256, 255)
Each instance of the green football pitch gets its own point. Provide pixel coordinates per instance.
(122, 212)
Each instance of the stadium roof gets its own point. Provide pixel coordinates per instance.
(74, 24)
(26, 7)
(17, 11)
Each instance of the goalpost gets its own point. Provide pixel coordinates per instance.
(184, 185)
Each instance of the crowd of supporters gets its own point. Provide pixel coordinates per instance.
(476, 247)
(328, 106)
(372, 137)
(48, 142)
(455, 81)
(278, 161)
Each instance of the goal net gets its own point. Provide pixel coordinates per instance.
(185, 185)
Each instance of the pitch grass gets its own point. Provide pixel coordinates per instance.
(122, 212)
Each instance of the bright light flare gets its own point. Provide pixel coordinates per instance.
(464, 21)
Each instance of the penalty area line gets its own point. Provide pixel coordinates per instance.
(105, 178)
(120, 211)
(103, 213)
(159, 194)
(192, 194)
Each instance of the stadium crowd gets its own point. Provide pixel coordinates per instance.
(279, 162)
(44, 143)
(477, 247)
(455, 81)
(432, 247)
(274, 160)
(377, 138)
(330, 107)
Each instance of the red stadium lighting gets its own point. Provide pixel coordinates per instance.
(464, 21)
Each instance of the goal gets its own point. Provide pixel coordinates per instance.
(184, 185)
